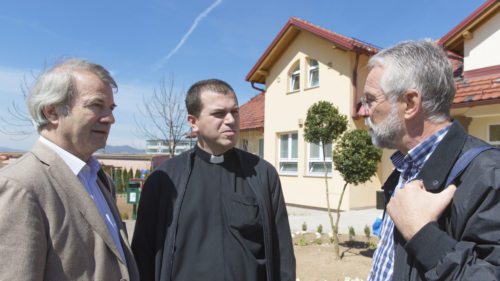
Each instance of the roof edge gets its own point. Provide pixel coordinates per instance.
(479, 11)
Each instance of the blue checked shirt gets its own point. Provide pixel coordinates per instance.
(409, 166)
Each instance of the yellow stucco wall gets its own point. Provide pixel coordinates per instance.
(482, 50)
(253, 138)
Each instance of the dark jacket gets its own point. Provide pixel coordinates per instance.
(159, 208)
(465, 242)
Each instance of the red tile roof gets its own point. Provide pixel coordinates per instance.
(288, 33)
(477, 90)
(252, 113)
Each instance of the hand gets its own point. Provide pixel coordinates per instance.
(412, 207)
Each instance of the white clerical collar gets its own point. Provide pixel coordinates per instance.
(214, 159)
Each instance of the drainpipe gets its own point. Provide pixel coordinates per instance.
(355, 87)
(256, 88)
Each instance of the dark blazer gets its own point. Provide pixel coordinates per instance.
(465, 242)
(50, 229)
(159, 208)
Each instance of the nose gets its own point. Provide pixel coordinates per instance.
(361, 110)
(230, 118)
(108, 118)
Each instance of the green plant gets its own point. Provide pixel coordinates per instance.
(302, 241)
(352, 233)
(124, 215)
(372, 245)
(304, 226)
(323, 125)
(319, 229)
(356, 160)
(367, 232)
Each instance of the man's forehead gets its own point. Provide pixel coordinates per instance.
(211, 97)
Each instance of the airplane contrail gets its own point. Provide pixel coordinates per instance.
(186, 36)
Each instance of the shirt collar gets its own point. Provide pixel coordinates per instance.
(420, 153)
(74, 163)
(214, 159)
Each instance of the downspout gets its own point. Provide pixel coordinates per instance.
(256, 88)
(355, 87)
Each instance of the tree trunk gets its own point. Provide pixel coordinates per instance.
(329, 210)
(336, 233)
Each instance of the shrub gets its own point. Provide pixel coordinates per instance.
(352, 233)
(304, 226)
(319, 229)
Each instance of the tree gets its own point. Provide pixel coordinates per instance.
(356, 160)
(323, 125)
(119, 180)
(125, 178)
(17, 124)
(165, 114)
(137, 173)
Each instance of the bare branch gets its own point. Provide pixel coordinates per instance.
(165, 114)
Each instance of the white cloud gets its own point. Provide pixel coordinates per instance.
(186, 36)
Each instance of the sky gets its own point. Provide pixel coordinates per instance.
(142, 42)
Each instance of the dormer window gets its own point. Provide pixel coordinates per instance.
(313, 73)
(295, 78)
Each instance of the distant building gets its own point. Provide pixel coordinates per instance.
(252, 125)
(161, 146)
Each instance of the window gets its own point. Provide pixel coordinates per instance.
(315, 160)
(494, 134)
(295, 78)
(261, 148)
(288, 153)
(244, 144)
(313, 73)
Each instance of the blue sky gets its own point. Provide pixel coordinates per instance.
(142, 41)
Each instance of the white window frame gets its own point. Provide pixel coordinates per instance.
(244, 144)
(313, 159)
(295, 78)
(261, 148)
(313, 69)
(493, 142)
(290, 157)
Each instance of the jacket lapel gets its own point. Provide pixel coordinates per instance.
(105, 185)
(439, 164)
(67, 183)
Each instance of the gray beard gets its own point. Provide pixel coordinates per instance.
(388, 133)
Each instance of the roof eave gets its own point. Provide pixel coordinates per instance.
(454, 38)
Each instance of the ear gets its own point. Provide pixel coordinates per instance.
(412, 101)
(192, 120)
(50, 112)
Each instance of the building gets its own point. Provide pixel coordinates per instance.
(161, 146)
(476, 40)
(252, 125)
(305, 64)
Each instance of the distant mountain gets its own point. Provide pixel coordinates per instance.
(8, 149)
(127, 149)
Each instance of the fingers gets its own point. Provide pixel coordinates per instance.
(448, 192)
(415, 184)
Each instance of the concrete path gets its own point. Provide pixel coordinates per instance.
(297, 216)
(357, 219)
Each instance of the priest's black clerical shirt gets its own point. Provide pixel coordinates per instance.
(220, 234)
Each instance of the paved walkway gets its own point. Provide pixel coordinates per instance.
(297, 216)
(356, 218)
